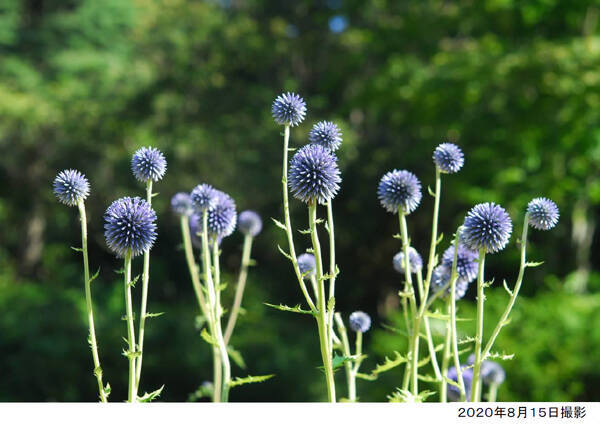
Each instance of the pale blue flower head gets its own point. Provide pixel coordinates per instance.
(414, 259)
(487, 226)
(466, 262)
(289, 109)
(448, 158)
(222, 218)
(314, 174)
(326, 134)
(440, 278)
(71, 186)
(249, 223)
(543, 213)
(359, 321)
(148, 164)
(307, 264)
(204, 197)
(399, 189)
(196, 229)
(453, 391)
(129, 226)
(181, 203)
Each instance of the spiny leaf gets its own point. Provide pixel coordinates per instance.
(279, 224)
(428, 378)
(120, 271)
(394, 329)
(397, 236)
(467, 339)
(284, 253)
(155, 194)
(250, 379)
(154, 314)
(286, 308)
(77, 249)
(501, 356)
(319, 221)
(451, 382)
(134, 281)
(93, 277)
(389, 364)
(149, 397)
(509, 291)
(430, 191)
(440, 238)
(304, 231)
(208, 338)
(130, 354)
(331, 304)
(222, 286)
(107, 389)
(338, 360)
(236, 356)
(533, 264)
(366, 376)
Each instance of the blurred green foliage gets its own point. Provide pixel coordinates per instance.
(84, 83)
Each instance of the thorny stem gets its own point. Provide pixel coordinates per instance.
(88, 302)
(322, 308)
(219, 331)
(453, 278)
(132, 397)
(446, 358)
(476, 389)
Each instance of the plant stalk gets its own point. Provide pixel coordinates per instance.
(476, 387)
(132, 395)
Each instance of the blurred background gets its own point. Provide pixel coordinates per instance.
(84, 83)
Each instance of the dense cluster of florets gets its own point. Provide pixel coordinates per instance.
(359, 321)
(289, 109)
(326, 134)
(71, 186)
(222, 217)
(440, 278)
(399, 190)
(448, 158)
(314, 174)
(487, 226)
(148, 164)
(129, 226)
(543, 213)
(249, 223)
(204, 197)
(414, 260)
(453, 391)
(466, 262)
(181, 204)
(307, 264)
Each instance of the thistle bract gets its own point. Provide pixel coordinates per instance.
(148, 164)
(249, 222)
(70, 186)
(129, 225)
(359, 321)
(222, 217)
(181, 203)
(399, 189)
(448, 158)
(487, 226)
(289, 109)
(414, 259)
(204, 197)
(314, 174)
(543, 213)
(307, 264)
(466, 262)
(453, 391)
(326, 134)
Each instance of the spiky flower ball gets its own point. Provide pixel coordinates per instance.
(492, 373)
(399, 189)
(148, 164)
(204, 197)
(543, 213)
(466, 262)
(222, 217)
(453, 391)
(487, 226)
(314, 174)
(129, 225)
(307, 264)
(440, 278)
(326, 134)
(249, 222)
(71, 186)
(181, 203)
(359, 321)
(448, 158)
(414, 259)
(289, 109)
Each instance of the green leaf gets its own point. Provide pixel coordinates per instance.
(501, 356)
(222, 287)
(236, 357)
(77, 249)
(389, 364)
(394, 329)
(134, 281)
(155, 194)
(509, 291)
(368, 377)
(93, 277)
(250, 379)
(428, 378)
(533, 264)
(279, 224)
(149, 397)
(154, 314)
(208, 338)
(431, 192)
(284, 253)
(107, 389)
(331, 304)
(286, 308)
(338, 360)
(319, 221)
(404, 396)
(304, 231)
(467, 339)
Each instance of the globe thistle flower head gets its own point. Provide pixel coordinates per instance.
(440, 278)
(222, 218)
(70, 186)
(448, 158)
(181, 203)
(543, 213)
(289, 109)
(249, 222)
(203, 197)
(453, 391)
(326, 134)
(129, 226)
(466, 262)
(487, 226)
(307, 264)
(492, 373)
(148, 164)
(414, 259)
(399, 189)
(359, 321)
(195, 224)
(314, 174)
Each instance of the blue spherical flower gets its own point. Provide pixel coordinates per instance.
(148, 164)
(249, 222)
(289, 109)
(466, 262)
(440, 277)
(314, 174)
(453, 391)
(129, 225)
(448, 158)
(359, 321)
(326, 134)
(203, 197)
(414, 259)
(181, 203)
(222, 217)
(71, 186)
(492, 373)
(399, 189)
(543, 213)
(487, 226)
(307, 264)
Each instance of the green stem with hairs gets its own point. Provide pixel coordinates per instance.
(434, 226)
(476, 389)
(453, 279)
(430, 345)
(350, 374)
(131, 353)
(332, 270)
(218, 329)
(446, 357)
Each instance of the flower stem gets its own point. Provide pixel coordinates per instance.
(132, 397)
(332, 269)
(193, 268)
(145, 279)
(239, 290)
(322, 308)
(218, 329)
(430, 345)
(88, 302)
(493, 392)
(434, 226)
(446, 358)
(453, 278)
(350, 374)
(476, 389)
